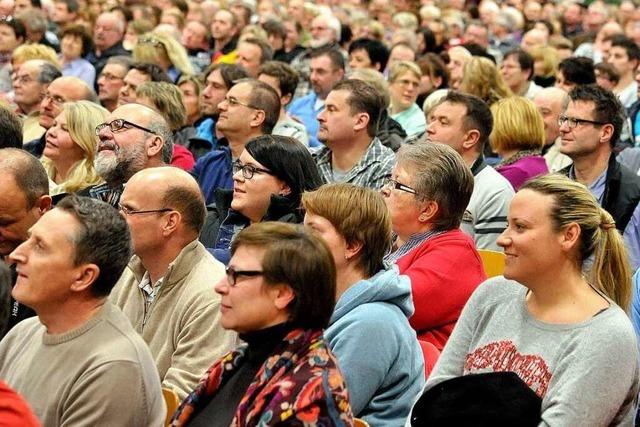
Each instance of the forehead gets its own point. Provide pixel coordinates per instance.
(215, 77)
(533, 206)
(196, 26)
(583, 107)
(137, 76)
(223, 15)
(270, 80)
(548, 101)
(337, 97)
(240, 90)
(12, 199)
(65, 88)
(131, 112)
(57, 226)
(115, 69)
(249, 47)
(29, 68)
(618, 50)
(321, 62)
(407, 75)
(247, 258)
(5, 26)
(450, 110)
(106, 21)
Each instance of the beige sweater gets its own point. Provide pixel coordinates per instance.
(182, 327)
(100, 374)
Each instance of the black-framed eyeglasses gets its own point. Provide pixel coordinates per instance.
(150, 41)
(391, 183)
(128, 211)
(233, 102)
(248, 170)
(232, 274)
(117, 124)
(573, 122)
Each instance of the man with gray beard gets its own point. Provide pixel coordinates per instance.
(134, 137)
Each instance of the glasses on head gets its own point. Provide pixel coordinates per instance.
(128, 211)
(232, 274)
(150, 41)
(117, 124)
(572, 122)
(248, 170)
(233, 102)
(392, 184)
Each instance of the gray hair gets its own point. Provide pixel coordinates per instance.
(161, 128)
(438, 173)
(48, 73)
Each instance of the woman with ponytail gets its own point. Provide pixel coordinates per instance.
(545, 344)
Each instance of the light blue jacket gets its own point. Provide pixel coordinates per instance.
(377, 349)
(634, 312)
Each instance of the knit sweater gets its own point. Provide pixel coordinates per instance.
(586, 373)
(444, 271)
(98, 374)
(182, 326)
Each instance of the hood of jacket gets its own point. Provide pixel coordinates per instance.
(386, 286)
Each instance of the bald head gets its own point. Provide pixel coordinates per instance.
(550, 103)
(61, 90)
(173, 189)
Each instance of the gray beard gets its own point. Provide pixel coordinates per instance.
(117, 171)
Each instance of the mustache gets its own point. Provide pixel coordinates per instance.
(107, 145)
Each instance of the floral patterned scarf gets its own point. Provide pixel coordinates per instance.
(298, 384)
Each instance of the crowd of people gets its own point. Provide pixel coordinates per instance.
(277, 212)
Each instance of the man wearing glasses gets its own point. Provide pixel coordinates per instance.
(589, 129)
(133, 137)
(249, 109)
(62, 89)
(166, 289)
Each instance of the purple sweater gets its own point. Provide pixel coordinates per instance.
(524, 169)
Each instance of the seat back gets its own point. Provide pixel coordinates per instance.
(172, 401)
(492, 261)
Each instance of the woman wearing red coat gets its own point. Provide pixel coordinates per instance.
(427, 195)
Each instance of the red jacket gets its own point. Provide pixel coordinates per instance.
(14, 411)
(444, 272)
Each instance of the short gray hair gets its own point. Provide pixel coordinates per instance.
(439, 173)
(48, 73)
(161, 129)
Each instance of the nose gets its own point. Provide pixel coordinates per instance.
(18, 256)
(222, 287)
(105, 133)
(503, 239)
(222, 105)
(564, 127)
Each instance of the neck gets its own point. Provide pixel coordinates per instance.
(404, 237)
(505, 154)
(522, 88)
(221, 43)
(110, 104)
(587, 169)
(27, 109)
(346, 154)
(156, 261)
(59, 320)
(470, 157)
(623, 82)
(395, 109)
(237, 143)
(283, 114)
(63, 168)
(348, 276)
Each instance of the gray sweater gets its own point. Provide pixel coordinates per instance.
(585, 373)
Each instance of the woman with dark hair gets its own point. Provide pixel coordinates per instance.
(75, 44)
(269, 178)
(278, 295)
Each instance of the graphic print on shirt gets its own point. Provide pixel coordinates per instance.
(503, 356)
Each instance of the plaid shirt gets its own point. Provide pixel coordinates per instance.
(371, 171)
(107, 194)
(413, 242)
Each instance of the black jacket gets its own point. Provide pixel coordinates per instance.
(621, 192)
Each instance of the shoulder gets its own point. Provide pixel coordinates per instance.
(491, 181)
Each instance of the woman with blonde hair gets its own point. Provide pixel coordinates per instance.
(71, 147)
(482, 78)
(545, 65)
(404, 83)
(518, 137)
(546, 331)
(166, 52)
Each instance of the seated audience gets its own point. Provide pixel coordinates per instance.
(71, 148)
(269, 178)
(80, 344)
(518, 137)
(439, 258)
(278, 295)
(373, 304)
(166, 289)
(549, 314)
(404, 80)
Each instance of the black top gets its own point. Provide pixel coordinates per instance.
(18, 312)
(220, 410)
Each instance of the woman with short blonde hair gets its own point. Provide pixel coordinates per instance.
(71, 147)
(482, 78)
(404, 83)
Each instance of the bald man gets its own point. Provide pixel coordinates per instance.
(167, 289)
(550, 102)
(61, 90)
(134, 137)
